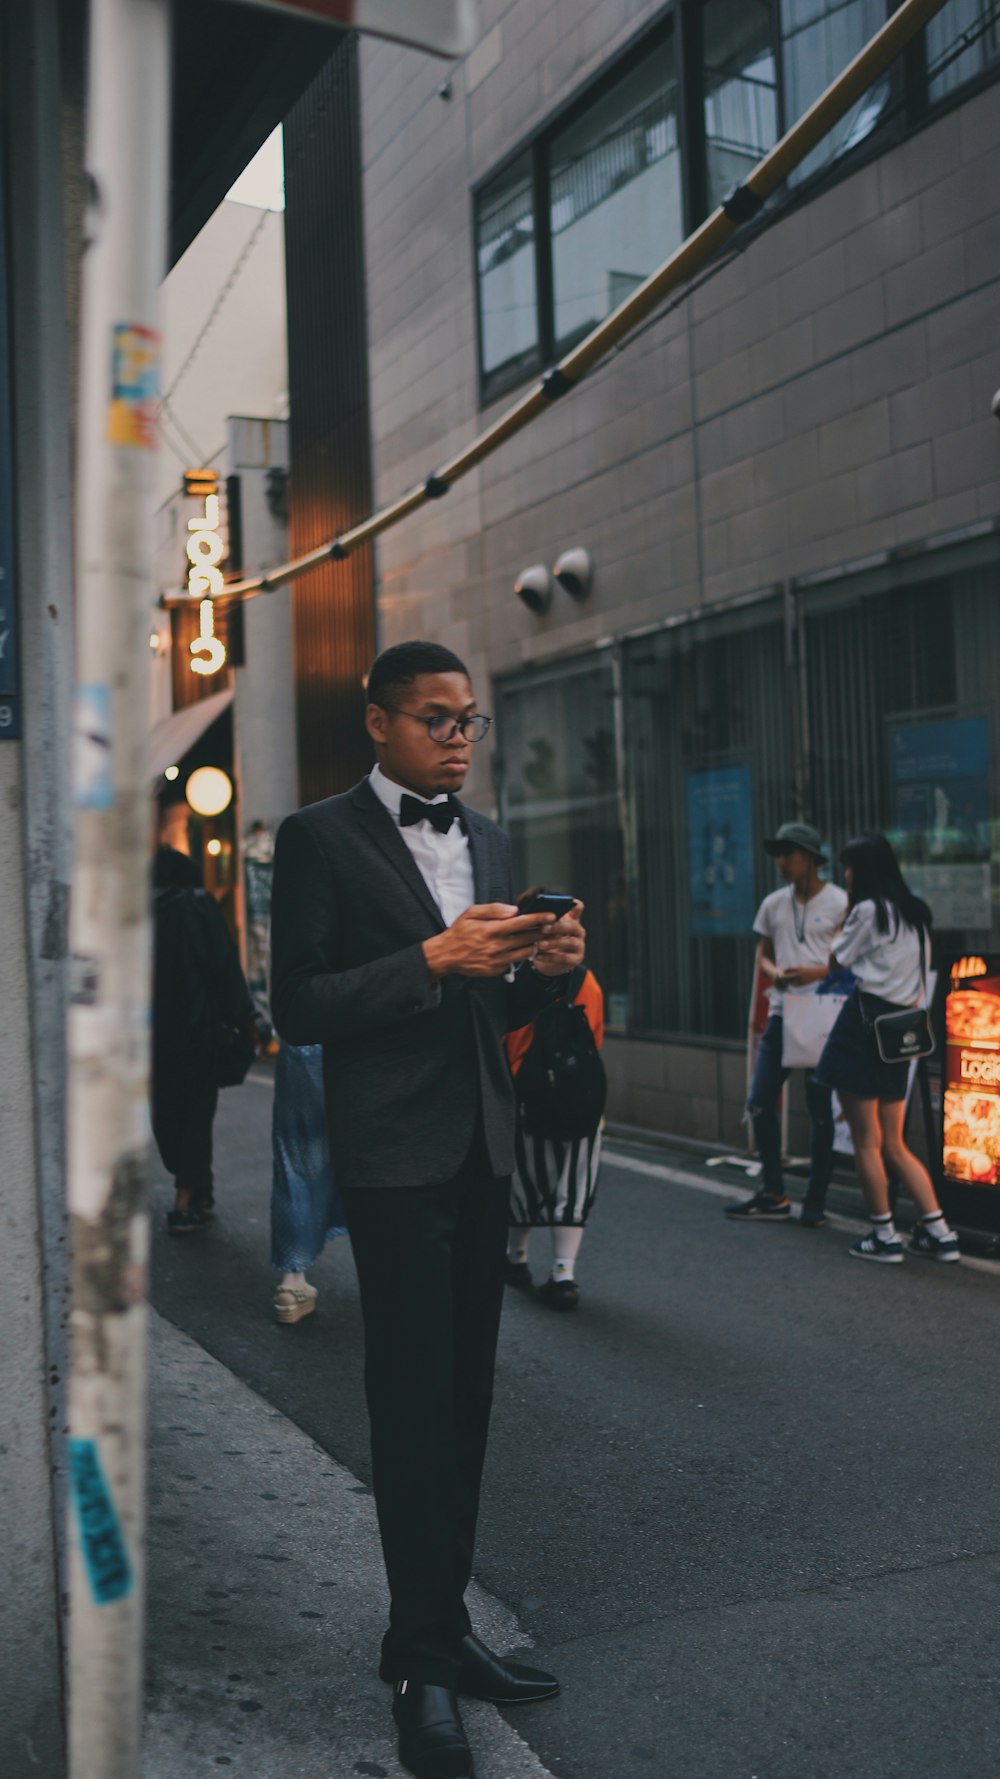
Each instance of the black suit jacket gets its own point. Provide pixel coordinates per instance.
(407, 1064)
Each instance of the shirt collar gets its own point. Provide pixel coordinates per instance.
(390, 794)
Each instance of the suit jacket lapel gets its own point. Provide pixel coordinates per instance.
(479, 851)
(383, 830)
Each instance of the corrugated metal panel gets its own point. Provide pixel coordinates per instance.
(330, 483)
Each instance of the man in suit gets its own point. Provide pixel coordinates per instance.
(397, 945)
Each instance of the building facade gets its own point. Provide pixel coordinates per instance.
(788, 481)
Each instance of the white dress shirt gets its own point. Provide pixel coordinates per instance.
(443, 860)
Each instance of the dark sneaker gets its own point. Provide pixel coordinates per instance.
(518, 1274)
(872, 1247)
(812, 1217)
(928, 1246)
(760, 1205)
(185, 1222)
(560, 1294)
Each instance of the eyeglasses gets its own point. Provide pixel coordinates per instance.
(444, 728)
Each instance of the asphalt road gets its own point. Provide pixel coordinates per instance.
(746, 1501)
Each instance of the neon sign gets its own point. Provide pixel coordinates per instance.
(205, 550)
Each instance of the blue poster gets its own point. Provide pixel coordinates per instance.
(720, 850)
(940, 785)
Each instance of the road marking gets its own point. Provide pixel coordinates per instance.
(658, 1170)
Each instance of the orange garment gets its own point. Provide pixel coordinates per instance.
(517, 1044)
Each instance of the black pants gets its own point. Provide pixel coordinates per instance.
(430, 1266)
(183, 1111)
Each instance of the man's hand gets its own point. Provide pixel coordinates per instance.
(486, 940)
(563, 945)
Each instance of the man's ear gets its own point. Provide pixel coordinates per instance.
(375, 722)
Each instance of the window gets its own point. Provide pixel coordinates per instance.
(568, 229)
(899, 699)
(505, 262)
(740, 91)
(559, 779)
(950, 63)
(708, 739)
(602, 195)
(614, 195)
(818, 39)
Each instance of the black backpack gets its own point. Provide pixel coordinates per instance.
(561, 1086)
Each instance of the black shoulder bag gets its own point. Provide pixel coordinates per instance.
(903, 1036)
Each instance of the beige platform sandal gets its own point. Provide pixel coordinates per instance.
(292, 1302)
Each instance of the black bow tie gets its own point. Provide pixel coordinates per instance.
(440, 815)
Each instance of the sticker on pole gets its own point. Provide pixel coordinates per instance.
(93, 779)
(135, 386)
(102, 1541)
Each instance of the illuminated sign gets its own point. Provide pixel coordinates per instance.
(972, 1074)
(205, 551)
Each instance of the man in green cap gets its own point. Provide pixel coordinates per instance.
(795, 926)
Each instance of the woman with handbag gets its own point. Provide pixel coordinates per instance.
(885, 941)
(560, 1086)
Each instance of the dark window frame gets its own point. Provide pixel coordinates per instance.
(657, 30)
(911, 109)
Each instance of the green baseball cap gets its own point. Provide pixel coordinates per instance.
(796, 834)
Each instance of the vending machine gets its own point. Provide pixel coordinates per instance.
(970, 1158)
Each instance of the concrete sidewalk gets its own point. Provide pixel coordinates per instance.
(267, 1597)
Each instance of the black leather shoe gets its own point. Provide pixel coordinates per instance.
(484, 1675)
(432, 1742)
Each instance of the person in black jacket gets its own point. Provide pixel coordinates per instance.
(197, 982)
(397, 945)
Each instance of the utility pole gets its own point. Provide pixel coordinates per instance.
(128, 97)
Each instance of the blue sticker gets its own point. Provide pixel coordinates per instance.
(93, 780)
(102, 1542)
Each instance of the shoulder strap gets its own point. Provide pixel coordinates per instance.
(574, 982)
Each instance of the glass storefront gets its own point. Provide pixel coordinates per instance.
(558, 766)
(646, 777)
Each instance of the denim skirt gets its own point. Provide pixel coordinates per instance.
(851, 1063)
(306, 1208)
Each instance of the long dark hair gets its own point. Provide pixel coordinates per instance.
(877, 878)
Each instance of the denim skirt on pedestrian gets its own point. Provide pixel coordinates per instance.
(306, 1208)
(851, 1063)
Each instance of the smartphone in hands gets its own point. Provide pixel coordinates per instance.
(540, 901)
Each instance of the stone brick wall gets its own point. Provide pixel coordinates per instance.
(826, 396)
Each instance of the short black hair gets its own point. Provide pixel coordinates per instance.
(395, 670)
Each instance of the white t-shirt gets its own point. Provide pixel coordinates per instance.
(885, 964)
(443, 860)
(801, 933)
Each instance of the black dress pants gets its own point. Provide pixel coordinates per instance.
(183, 1110)
(430, 1267)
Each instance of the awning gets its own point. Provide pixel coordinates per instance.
(177, 734)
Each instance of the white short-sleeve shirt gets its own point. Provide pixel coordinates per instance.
(885, 964)
(802, 933)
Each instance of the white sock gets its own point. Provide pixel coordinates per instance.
(936, 1226)
(566, 1239)
(517, 1245)
(885, 1228)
